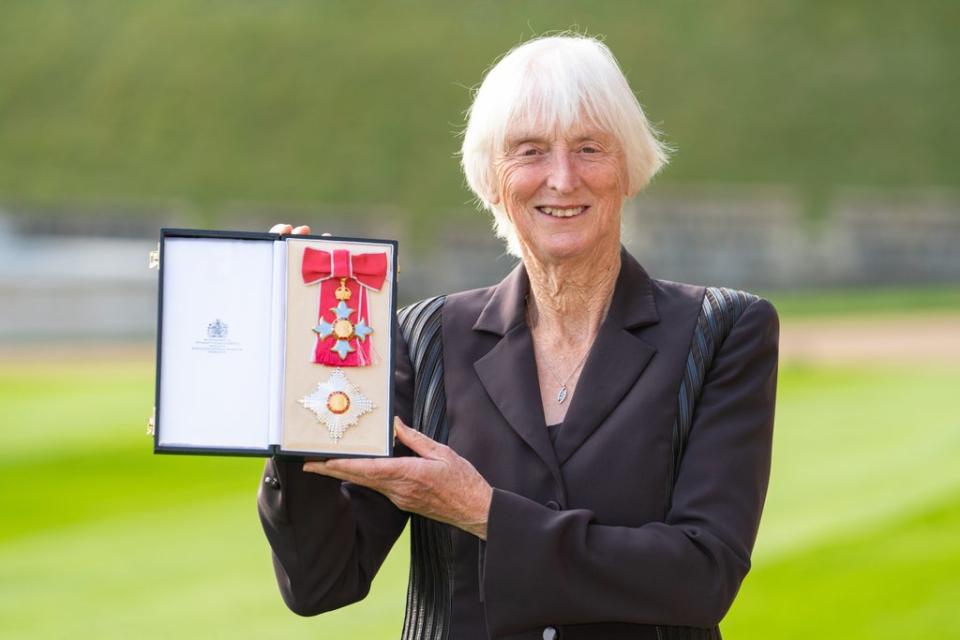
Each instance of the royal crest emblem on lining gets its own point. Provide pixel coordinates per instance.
(217, 329)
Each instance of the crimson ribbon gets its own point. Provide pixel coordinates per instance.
(362, 271)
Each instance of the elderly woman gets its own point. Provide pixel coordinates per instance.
(590, 446)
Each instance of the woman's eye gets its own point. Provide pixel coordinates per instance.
(589, 149)
(531, 151)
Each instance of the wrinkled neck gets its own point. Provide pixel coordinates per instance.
(569, 299)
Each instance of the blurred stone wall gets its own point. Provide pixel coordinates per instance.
(82, 273)
(759, 238)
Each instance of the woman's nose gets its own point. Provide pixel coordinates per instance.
(563, 176)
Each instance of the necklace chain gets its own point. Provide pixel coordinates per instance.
(562, 393)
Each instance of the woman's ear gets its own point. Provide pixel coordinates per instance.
(625, 183)
(493, 194)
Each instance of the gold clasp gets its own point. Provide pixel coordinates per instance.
(153, 258)
(151, 423)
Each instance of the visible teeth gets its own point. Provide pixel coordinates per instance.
(563, 213)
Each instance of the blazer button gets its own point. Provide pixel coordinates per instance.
(272, 482)
(553, 504)
(550, 633)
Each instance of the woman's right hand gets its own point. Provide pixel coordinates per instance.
(286, 229)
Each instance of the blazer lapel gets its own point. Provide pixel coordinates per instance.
(508, 372)
(616, 360)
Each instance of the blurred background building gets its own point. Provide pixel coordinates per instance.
(82, 272)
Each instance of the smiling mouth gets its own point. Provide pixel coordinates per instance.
(562, 212)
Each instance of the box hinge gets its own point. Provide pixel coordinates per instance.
(153, 258)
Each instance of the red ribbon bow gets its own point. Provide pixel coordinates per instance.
(329, 268)
(369, 269)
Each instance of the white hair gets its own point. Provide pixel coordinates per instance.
(556, 82)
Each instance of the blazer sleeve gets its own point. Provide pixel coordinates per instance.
(545, 567)
(329, 537)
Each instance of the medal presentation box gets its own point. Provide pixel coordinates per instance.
(275, 345)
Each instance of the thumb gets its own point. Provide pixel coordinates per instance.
(420, 444)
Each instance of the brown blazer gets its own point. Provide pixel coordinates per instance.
(580, 541)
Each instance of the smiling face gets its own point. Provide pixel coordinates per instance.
(563, 190)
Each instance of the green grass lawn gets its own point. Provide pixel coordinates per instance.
(100, 538)
(885, 301)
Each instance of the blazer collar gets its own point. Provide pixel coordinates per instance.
(632, 306)
(509, 370)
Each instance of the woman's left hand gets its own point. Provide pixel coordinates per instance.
(439, 484)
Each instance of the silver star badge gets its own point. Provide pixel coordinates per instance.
(337, 403)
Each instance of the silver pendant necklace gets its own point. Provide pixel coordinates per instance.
(562, 394)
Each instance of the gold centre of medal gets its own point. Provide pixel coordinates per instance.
(343, 329)
(338, 402)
